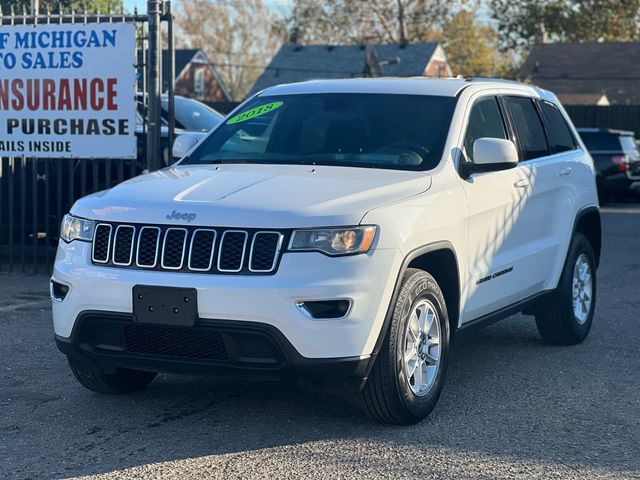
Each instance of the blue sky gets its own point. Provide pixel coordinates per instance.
(142, 4)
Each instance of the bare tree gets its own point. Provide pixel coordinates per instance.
(362, 21)
(239, 37)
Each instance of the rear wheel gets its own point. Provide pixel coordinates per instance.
(123, 381)
(567, 318)
(407, 377)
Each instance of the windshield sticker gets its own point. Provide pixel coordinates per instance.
(254, 112)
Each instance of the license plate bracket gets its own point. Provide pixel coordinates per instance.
(165, 305)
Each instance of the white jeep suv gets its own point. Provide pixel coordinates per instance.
(336, 233)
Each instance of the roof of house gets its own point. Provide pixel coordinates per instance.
(586, 68)
(182, 55)
(297, 63)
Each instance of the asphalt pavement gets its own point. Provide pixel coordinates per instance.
(512, 407)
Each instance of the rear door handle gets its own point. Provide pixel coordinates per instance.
(522, 183)
(565, 171)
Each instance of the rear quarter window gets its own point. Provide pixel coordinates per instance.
(530, 134)
(560, 137)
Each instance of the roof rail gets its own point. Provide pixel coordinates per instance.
(491, 79)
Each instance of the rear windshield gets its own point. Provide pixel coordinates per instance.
(192, 115)
(404, 132)
(601, 141)
(629, 147)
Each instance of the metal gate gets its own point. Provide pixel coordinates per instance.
(35, 193)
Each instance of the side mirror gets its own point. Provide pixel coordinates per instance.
(183, 144)
(490, 155)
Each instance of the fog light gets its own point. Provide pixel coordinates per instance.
(58, 291)
(324, 309)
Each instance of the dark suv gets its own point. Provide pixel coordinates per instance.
(617, 161)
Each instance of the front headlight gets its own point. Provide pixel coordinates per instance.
(74, 228)
(334, 241)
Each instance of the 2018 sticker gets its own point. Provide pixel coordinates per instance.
(254, 112)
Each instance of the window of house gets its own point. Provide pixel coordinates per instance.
(485, 121)
(198, 82)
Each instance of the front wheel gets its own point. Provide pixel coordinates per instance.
(566, 319)
(124, 380)
(407, 377)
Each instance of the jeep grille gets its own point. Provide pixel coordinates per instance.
(192, 249)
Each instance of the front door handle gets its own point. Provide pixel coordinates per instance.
(565, 171)
(522, 183)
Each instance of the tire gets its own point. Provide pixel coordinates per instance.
(123, 381)
(389, 395)
(557, 321)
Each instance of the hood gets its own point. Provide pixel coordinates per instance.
(252, 196)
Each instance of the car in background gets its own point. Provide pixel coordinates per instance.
(617, 161)
(191, 116)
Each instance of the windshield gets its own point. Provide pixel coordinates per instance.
(192, 115)
(405, 132)
(629, 147)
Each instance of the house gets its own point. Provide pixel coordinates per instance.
(297, 63)
(599, 99)
(599, 73)
(196, 77)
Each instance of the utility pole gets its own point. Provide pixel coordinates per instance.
(154, 154)
(171, 57)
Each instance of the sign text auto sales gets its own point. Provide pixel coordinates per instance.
(67, 90)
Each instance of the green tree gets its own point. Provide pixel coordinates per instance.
(471, 47)
(521, 22)
(55, 6)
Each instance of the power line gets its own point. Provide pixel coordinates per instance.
(286, 69)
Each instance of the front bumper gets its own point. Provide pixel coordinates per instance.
(108, 341)
(270, 300)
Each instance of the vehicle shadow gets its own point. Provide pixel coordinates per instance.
(505, 397)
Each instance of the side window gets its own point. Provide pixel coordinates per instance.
(529, 132)
(560, 136)
(485, 120)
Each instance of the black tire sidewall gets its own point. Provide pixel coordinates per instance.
(424, 288)
(579, 246)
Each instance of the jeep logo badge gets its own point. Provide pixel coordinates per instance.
(189, 217)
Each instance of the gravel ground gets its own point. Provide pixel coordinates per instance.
(512, 408)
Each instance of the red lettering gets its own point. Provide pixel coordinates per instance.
(111, 93)
(18, 98)
(59, 94)
(4, 95)
(48, 94)
(64, 95)
(80, 94)
(96, 86)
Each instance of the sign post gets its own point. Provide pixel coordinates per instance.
(154, 153)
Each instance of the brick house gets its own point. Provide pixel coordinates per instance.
(297, 63)
(196, 77)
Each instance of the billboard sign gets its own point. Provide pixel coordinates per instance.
(68, 90)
